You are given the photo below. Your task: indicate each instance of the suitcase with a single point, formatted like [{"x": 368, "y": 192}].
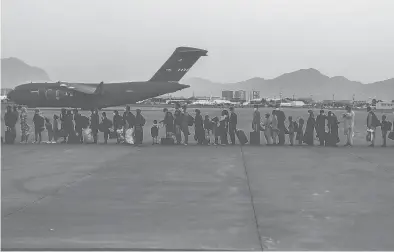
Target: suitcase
[
  {"x": 242, "y": 137},
  {"x": 167, "y": 141},
  {"x": 255, "y": 138}
]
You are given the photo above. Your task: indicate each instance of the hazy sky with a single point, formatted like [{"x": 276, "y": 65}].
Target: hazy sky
[{"x": 104, "y": 40}]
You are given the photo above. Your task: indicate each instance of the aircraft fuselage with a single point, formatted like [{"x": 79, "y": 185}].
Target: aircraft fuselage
[{"x": 113, "y": 94}]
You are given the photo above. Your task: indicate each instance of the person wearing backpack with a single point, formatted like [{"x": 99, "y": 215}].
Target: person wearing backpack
[
  {"x": 372, "y": 123},
  {"x": 386, "y": 127}
]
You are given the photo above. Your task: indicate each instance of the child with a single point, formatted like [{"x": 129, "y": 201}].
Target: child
[
  {"x": 300, "y": 131},
  {"x": 292, "y": 130},
  {"x": 39, "y": 125},
  {"x": 207, "y": 125},
  {"x": 154, "y": 131},
  {"x": 386, "y": 127},
  {"x": 55, "y": 128},
  {"x": 49, "y": 128}
]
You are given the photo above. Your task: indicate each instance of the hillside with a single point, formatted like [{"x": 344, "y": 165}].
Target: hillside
[
  {"x": 15, "y": 72},
  {"x": 301, "y": 83}
]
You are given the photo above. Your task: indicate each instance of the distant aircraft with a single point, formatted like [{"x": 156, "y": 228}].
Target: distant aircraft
[{"x": 90, "y": 96}]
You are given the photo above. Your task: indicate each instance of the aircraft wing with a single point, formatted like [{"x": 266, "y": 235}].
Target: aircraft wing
[{"x": 82, "y": 88}]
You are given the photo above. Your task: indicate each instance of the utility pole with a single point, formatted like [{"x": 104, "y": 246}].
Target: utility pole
[{"x": 293, "y": 97}]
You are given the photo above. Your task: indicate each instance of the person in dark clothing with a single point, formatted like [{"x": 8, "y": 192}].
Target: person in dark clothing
[
  {"x": 232, "y": 125},
  {"x": 385, "y": 127},
  {"x": 94, "y": 124},
  {"x": 55, "y": 127},
  {"x": 187, "y": 120},
  {"x": 39, "y": 126},
  {"x": 332, "y": 123},
  {"x": 300, "y": 131},
  {"x": 139, "y": 130},
  {"x": 70, "y": 127},
  {"x": 280, "y": 115},
  {"x": 223, "y": 127},
  {"x": 10, "y": 120},
  {"x": 106, "y": 124},
  {"x": 310, "y": 129},
  {"x": 168, "y": 122},
  {"x": 199, "y": 127},
  {"x": 118, "y": 124},
  {"x": 78, "y": 124},
  {"x": 321, "y": 127},
  {"x": 372, "y": 123},
  {"x": 128, "y": 118},
  {"x": 15, "y": 111}
]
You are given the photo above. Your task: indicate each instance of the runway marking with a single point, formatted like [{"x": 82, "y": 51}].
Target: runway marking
[{"x": 252, "y": 201}]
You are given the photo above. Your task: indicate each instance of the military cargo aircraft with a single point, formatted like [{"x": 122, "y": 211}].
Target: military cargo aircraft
[{"x": 90, "y": 96}]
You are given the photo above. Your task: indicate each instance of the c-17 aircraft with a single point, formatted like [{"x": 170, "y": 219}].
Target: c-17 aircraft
[{"x": 90, "y": 96}]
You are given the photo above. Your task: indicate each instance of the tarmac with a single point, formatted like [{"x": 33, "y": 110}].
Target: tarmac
[{"x": 65, "y": 197}]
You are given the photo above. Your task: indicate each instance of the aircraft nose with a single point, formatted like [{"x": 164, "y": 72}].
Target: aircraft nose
[{"x": 11, "y": 95}]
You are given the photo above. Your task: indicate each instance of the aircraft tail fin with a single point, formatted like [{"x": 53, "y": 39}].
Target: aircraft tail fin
[{"x": 178, "y": 64}]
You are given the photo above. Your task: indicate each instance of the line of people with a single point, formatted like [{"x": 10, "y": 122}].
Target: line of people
[
  {"x": 77, "y": 128},
  {"x": 325, "y": 126}
]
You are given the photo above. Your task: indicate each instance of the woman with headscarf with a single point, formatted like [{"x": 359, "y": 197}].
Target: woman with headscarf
[
  {"x": 332, "y": 123},
  {"x": 139, "y": 127},
  {"x": 199, "y": 127},
  {"x": 310, "y": 129},
  {"x": 25, "y": 128}
]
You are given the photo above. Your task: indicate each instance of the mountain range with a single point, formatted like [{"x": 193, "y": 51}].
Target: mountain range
[
  {"x": 14, "y": 72},
  {"x": 302, "y": 83}
]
